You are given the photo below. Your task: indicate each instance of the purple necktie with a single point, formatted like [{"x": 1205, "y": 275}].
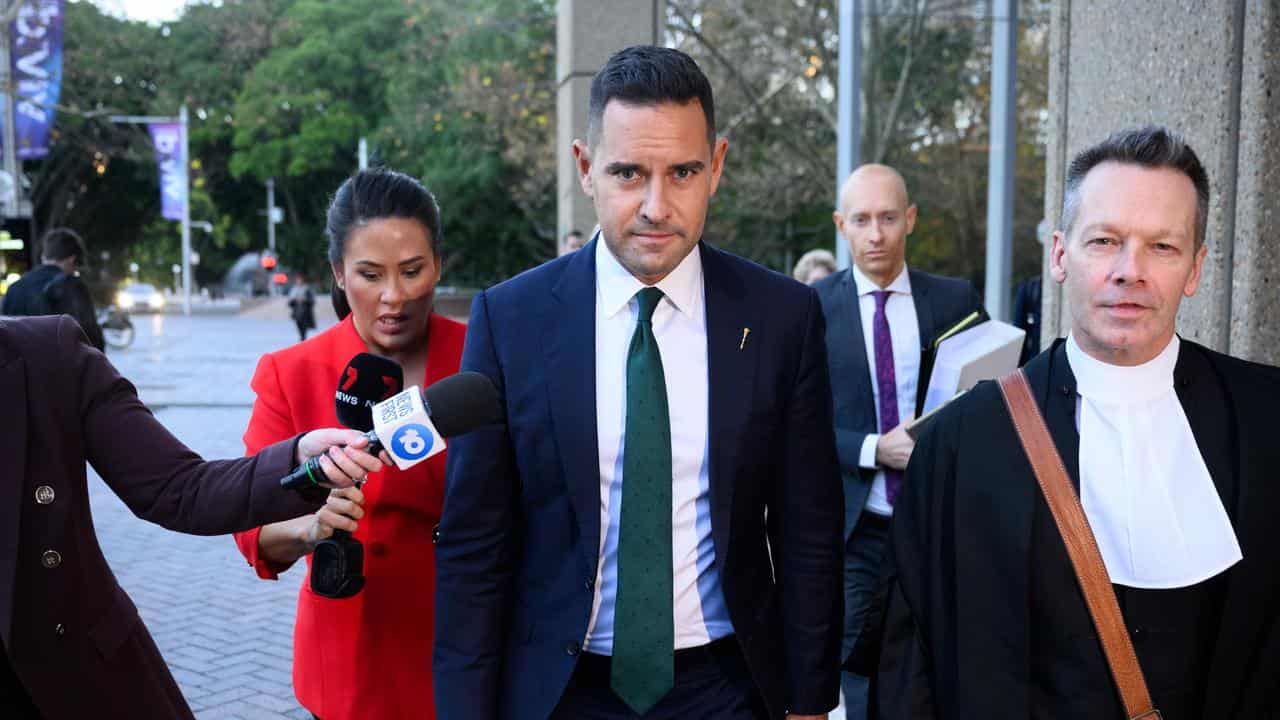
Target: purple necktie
[{"x": 887, "y": 384}]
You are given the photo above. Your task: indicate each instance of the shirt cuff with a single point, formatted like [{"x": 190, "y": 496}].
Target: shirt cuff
[{"x": 867, "y": 458}]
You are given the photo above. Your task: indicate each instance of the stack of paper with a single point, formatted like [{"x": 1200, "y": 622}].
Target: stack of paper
[{"x": 982, "y": 352}]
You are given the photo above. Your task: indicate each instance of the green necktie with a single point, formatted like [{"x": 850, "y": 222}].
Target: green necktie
[{"x": 643, "y": 628}]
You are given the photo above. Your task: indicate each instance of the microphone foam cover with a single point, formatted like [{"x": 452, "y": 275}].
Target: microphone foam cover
[
  {"x": 367, "y": 380},
  {"x": 461, "y": 403}
]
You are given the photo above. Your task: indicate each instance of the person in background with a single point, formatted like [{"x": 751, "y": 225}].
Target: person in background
[
  {"x": 55, "y": 287},
  {"x": 814, "y": 265},
  {"x": 573, "y": 240},
  {"x": 302, "y": 303},
  {"x": 73, "y": 644},
  {"x": 879, "y": 314},
  {"x": 363, "y": 657},
  {"x": 1026, "y": 303}
]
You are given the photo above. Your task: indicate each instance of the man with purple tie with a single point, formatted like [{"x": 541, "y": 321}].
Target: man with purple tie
[{"x": 874, "y": 377}]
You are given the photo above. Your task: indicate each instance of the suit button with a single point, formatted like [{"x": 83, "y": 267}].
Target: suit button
[
  {"x": 51, "y": 559},
  {"x": 44, "y": 495},
  {"x": 60, "y": 630},
  {"x": 591, "y": 585},
  {"x": 435, "y": 534},
  {"x": 572, "y": 648}
]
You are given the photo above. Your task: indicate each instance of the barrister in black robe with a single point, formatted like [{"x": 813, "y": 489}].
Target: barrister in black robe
[{"x": 985, "y": 618}]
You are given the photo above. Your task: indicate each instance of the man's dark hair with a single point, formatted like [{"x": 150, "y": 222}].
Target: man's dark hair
[
  {"x": 1151, "y": 147},
  {"x": 61, "y": 243},
  {"x": 573, "y": 233},
  {"x": 649, "y": 75}
]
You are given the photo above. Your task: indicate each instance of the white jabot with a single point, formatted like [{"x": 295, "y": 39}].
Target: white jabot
[{"x": 1146, "y": 491}]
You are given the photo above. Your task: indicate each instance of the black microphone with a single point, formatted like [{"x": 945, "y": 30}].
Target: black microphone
[
  {"x": 411, "y": 425},
  {"x": 366, "y": 380},
  {"x": 337, "y": 563}
]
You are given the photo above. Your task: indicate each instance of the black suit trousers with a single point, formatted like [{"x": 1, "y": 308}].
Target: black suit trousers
[{"x": 714, "y": 683}]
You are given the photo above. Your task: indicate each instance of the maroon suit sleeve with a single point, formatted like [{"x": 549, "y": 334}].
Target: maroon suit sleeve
[{"x": 159, "y": 478}]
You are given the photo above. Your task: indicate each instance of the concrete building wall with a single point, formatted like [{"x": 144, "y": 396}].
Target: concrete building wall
[
  {"x": 587, "y": 33},
  {"x": 1208, "y": 70}
]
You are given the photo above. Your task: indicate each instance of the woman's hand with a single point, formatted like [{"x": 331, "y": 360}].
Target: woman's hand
[
  {"x": 341, "y": 511},
  {"x": 342, "y": 453}
]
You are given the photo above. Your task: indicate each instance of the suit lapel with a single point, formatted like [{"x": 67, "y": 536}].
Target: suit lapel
[
  {"x": 731, "y": 364},
  {"x": 1058, "y": 403},
  {"x": 924, "y": 308},
  {"x": 13, "y": 448},
  {"x": 847, "y": 356},
  {"x": 571, "y": 370}
]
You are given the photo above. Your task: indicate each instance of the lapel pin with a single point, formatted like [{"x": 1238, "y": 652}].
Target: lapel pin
[{"x": 745, "y": 332}]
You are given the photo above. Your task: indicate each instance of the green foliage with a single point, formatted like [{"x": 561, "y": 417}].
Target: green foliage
[
  {"x": 459, "y": 94},
  {"x": 462, "y": 95}
]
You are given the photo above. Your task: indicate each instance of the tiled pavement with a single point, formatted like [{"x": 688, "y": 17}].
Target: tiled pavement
[{"x": 226, "y": 635}]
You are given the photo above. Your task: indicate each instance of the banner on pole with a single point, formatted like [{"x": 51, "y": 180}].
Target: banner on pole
[
  {"x": 36, "y": 54},
  {"x": 167, "y": 137}
]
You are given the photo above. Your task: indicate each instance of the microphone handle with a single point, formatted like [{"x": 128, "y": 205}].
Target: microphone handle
[{"x": 309, "y": 473}]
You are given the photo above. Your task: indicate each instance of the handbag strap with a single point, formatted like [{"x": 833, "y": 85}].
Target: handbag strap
[{"x": 1082, "y": 548}]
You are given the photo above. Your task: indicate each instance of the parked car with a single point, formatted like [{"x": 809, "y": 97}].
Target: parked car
[{"x": 140, "y": 297}]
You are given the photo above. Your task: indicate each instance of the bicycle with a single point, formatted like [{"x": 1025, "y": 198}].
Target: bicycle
[{"x": 117, "y": 328}]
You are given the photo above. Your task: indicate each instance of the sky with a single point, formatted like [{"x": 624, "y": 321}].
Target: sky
[{"x": 145, "y": 10}]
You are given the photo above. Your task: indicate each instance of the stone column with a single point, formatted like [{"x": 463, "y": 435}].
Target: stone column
[
  {"x": 1210, "y": 71},
  {"x": 587, "y": 33}
]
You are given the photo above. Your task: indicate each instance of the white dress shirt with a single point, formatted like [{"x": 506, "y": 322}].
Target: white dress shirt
[
  {"x": 1145, "y": 488},
  {"x": 679, "y": 326},
  {"x": 904, "y": 333}
]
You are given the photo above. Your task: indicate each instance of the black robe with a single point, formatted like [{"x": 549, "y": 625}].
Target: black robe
[{"x": 983, "y": 616}]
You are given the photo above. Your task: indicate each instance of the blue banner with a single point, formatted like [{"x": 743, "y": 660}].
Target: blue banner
[
  {"x": 167, "y": 138},
  {"x": 36, "y": 46}
]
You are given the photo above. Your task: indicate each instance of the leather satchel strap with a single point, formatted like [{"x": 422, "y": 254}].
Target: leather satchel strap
[{"x": 1082, "y": 548}]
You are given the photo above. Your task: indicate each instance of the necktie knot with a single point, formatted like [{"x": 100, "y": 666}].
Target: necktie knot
[
  {"x": 882, "y": 297},
  {"x": 648, "y": 299}
]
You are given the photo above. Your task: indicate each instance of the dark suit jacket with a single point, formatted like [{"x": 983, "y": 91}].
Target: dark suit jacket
[
  {"x": 973, "y": 558},
  {"x": 940, "y": 303},
  {"x": 520, "y": 535},
  {"x": 70, "y": 632}
]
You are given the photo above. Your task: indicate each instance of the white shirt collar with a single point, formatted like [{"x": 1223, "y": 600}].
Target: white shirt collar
[
  {"x": 1122, "y": 385},
  {"x": 866, "y": 286},
  {"x": 616, "y": 285}
]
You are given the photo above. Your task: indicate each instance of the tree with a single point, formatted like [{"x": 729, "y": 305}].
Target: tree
[
  {"x": 473, "y": 115},
  {"x": 926, "y": 69},
  {"x": 306, "y": 103}
]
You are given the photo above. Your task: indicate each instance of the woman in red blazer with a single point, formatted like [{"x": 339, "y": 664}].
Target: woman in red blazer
[{"x": 368, "y": 656}]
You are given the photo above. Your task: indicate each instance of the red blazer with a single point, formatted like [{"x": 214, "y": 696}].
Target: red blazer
[{"x": 368, "y": 656}]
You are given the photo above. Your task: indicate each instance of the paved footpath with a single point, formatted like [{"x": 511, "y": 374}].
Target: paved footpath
[{"x": 226, "y": 635}]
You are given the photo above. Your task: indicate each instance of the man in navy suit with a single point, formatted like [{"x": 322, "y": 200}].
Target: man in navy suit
[
  {"x": 879, "y": 314},
  {"x": 656, "y": 530}
]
